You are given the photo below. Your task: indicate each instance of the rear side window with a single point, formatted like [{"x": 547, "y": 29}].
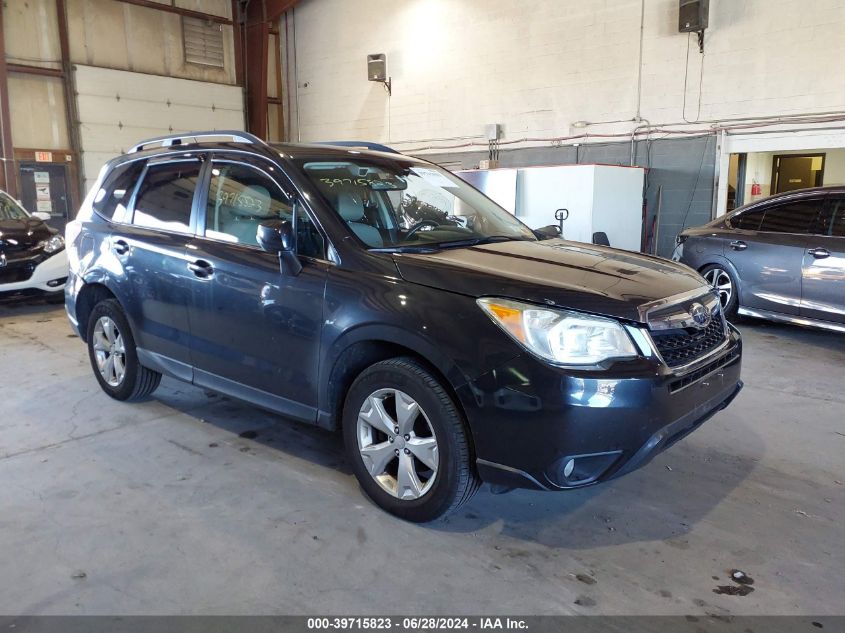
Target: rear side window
[
  {"x": 749, "y": 221},
  {"x": 165, "y": 197},
  {"x": 112, "y": 198},
  {"x": 798, "y": 216}
]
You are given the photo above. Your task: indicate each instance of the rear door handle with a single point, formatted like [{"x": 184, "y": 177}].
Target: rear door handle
[
  {"x": 201, "y": 268},
  {"x": 120, "y": 247},
  {"x": 819, "y": 253},
  {"x": 738, "y": 245}
]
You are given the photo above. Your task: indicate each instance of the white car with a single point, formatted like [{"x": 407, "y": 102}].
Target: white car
[{"x": 33, "y": 260}]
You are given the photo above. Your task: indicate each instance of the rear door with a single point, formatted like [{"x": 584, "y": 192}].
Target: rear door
[
  {"x": 823, "y": 294},
  {"x": 768, "y": 253},
  {"x": 150, "y": 252},
  {"x": 255, "y": 331}
]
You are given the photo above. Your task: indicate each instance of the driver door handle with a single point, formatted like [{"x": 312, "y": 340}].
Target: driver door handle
[
  {"x": 738, "y": 245},
  {"x": 819, "y": 253},
  {"x": 201, "y": 268}
]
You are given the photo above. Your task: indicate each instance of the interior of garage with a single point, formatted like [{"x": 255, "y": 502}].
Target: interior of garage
[{"x": 600, "y": 118}]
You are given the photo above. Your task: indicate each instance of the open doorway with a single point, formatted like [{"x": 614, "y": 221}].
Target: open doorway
[{"x": 797, "y": 171}]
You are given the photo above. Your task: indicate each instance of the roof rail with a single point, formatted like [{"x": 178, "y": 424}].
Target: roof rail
[
  {"x": 170, "y": 140},
  {"x": 377, "y": 147}
]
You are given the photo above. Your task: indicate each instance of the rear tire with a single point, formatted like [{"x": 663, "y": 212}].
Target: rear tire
[
  {"x": 407, "y": 442},
  {"x": 724, "y": 282},
  {"x": 114, "y": 359}
]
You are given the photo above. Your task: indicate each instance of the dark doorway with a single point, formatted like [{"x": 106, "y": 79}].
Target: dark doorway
[
  {"x": 797, "y": 171},
  {"x": 44, "y": 188}
]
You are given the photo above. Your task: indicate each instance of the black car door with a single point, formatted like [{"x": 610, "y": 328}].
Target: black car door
[
  {"x": 255, "y": 331},
  {"x": 823, "y": 295},
  {"x": 148, "y": 248}
]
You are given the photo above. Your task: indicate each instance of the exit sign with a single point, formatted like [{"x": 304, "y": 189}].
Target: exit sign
[{"x": 44, "y": 157}]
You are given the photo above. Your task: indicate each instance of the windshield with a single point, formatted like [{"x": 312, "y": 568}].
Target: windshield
[
  {"x": 11, "y": 210},
  {"x": 390, "y": 205}
]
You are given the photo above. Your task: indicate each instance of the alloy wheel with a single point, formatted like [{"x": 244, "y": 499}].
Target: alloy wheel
[
  {"x": 397, "y": 444},
  {"x": 721, "y": 282},
  {"x": 109, "y": 351}
]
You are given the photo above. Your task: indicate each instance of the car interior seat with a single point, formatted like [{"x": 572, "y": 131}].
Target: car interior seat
[
  {"x": 351, "y": 209},
  {"x": 251, "y": 206}
]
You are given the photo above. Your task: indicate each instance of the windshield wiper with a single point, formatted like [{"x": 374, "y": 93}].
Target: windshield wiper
[
  {"x": 490, "y": 239},
  {"x": 405, "y": 249}
]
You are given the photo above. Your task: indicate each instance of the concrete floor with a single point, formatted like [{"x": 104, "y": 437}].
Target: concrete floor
[{"x": 165, "y": 509}]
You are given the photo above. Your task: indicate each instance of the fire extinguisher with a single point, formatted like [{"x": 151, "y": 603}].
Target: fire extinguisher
[{"x": 755, "y": 189}]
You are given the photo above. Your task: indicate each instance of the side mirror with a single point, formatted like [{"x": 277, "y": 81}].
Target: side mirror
[
  {"x": 277, "y": 236},
  {"x": 41, "y": 215},
  {"x": 549, "y": 232}
]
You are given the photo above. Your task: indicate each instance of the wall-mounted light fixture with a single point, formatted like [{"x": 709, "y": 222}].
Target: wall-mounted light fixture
[{"x": 377, "y": 70}]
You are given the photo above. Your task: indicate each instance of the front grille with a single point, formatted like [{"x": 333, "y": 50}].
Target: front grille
[
  {"x": 698, "y": 374},
  {"x": 684, "y": 345},
  {"x": 13, "y": 274}
]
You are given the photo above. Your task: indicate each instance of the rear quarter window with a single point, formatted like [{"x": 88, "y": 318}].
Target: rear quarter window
[{"x": 112, "y": 198}]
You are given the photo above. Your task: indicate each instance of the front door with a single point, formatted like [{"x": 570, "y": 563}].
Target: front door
[
  {"x": 768, "y": 252},
  {"x": 255, "y": 330},
  {"x": 823, "y": 296},
  {"x": 44, "y": 187}
]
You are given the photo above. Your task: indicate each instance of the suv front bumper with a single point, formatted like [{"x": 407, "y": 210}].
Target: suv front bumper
[{"x": 542, "y": 427}]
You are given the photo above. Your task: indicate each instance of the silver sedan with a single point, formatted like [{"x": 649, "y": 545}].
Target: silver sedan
[{"x": 781, "y": 258}]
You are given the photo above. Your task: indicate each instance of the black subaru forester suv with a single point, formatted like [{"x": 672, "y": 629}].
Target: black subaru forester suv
[{"x": 377, "y": 293}]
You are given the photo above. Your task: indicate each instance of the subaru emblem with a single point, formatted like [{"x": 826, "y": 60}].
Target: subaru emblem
[{"x": 699, "y": 315}]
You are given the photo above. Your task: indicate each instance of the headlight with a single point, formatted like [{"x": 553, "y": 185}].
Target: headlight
[
  {"x": 55, "y": 243},
  {"x": 560, "y": 336}
]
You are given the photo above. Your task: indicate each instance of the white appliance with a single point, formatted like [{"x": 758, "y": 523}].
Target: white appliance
[{"x": 606, "y": 198}]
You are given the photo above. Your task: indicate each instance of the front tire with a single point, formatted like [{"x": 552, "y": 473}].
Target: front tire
[
  {"x": 114, "y": 359},
  {"x": 724, "y": 282},
  {"x": 406, "y": 441}
]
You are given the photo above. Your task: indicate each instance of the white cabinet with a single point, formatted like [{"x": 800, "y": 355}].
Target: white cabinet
[
  {"x": 599, "y": 198},
  {"x": 604, "y": 198}
]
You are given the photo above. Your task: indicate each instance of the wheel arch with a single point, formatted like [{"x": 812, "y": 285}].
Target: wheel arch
[
  {"x": 369, "y": 345},
  {"x": 719, "y": 260},
  {"x": 89, "y": 296}
]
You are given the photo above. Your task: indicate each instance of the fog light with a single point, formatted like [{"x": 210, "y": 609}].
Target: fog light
[
  {"x": 577, "y": 470},
  {"x": 56, "y": 282}
]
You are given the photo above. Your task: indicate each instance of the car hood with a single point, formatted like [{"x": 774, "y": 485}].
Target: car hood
[
  {"x": 574, "y": 275},
  {"x": 20, "y": 234}
]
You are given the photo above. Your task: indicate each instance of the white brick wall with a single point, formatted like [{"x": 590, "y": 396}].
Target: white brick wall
[{"x": 538, "y": 65}]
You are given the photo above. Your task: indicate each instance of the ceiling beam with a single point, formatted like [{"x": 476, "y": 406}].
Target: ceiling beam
[
  {"x": 169, "y": 8},
  {"x": 26, "y": 69}
]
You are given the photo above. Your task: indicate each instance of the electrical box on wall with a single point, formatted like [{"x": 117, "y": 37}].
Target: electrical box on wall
[
  {"x": 693, "y": 15},
  {"x": 377, "y": 67},
  {"x": 493, "y": 131}
]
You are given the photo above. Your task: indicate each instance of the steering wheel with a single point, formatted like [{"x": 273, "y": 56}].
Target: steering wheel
[{"x": 418, "y": 226}]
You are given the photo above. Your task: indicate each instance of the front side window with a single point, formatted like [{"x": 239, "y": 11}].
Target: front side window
[
  {"x": 748, "y": 220},
  {"x": 835, "y": 221},
  {"x": 165, "y": 197},
  {"x": 402, "y": 204},
  {"x": 798, "y": 216},
  {"x": 239, "y": 199},
  {"x": 11, "y": 210}
]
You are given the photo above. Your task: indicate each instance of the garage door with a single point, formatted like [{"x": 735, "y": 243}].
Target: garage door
[{"x": 116, "y": 109}]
